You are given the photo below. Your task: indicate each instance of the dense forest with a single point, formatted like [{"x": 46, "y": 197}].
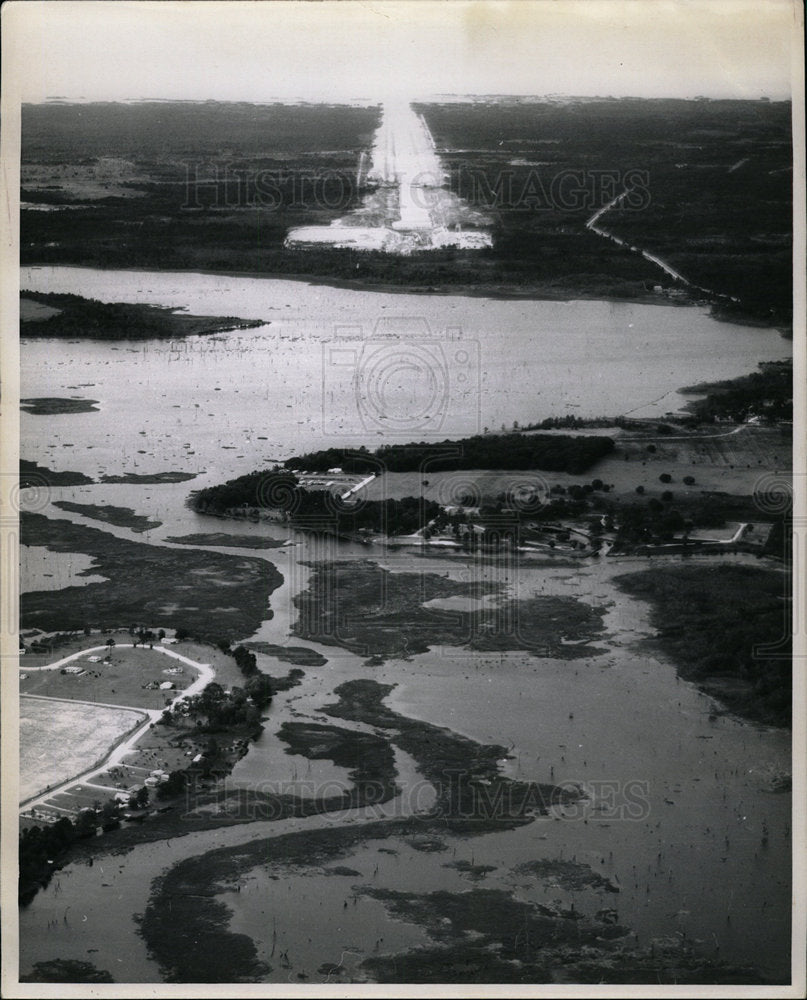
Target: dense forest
[
  {"x": 712, "y": 183},
  {"x": 218, "y": 186},
  {"x": 547, "y": 452},
  {"x": 215, "y": 708},
  {"x": 749, "y": 668},
  {"x": 767, "y": 394},
  {"x": 180, "y": 128},
  {"x": 317, "y": 510}
]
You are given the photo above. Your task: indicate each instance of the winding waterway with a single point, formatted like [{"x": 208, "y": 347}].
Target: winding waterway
[{"x": 690, "y": 861}]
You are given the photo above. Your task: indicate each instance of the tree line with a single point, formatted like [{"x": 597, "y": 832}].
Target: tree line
[
  {"x": 767, "y": 393},
  {"x": 214, "y": 708},
  {"x": 545, "y": 452},
  {"x": 318, "y": 510}
]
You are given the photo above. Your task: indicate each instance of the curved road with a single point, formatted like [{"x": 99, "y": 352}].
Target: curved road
[{"x": 127, "y": 744}]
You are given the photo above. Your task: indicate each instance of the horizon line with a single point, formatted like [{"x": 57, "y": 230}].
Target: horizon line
[{"x": 373, "y": 102}]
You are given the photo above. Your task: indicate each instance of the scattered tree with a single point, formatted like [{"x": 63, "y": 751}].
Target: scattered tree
[{"x": 139, "y": 799}]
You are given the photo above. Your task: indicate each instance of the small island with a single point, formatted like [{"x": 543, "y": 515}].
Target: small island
[
  {"x": 121, "y": 517},
  {"x": 73, "y": 316},
  {"x": 48, "y": 406}
]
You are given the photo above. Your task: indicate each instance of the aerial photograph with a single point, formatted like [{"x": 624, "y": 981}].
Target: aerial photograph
[{"x": 401, "y": 558}]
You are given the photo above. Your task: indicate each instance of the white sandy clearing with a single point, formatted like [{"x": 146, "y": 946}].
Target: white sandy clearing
[{"x": 59, "y": 739}]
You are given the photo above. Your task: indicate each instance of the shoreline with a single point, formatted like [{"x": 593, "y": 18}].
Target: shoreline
[
  {"x": 305, "y": 843},
  {"x": 172, "y": 818},
  {"x": 464, "y": 290}
]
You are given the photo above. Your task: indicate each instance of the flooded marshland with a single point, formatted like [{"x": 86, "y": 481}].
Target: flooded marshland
[{"x": 684, "y": 812}]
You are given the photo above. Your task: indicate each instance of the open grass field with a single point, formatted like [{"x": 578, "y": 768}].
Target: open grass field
[
  {"x": 227, "y": 673},
  {"x": 717, "y": 460},
  {"x": 123, "y": 681},
  {"x": 720, "y": 460},
  {"x": 65, "y": 645},
  {"x": 59, "y": 739}
]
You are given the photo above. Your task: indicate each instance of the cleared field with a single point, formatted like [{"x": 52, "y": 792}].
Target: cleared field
[
  {"x": 449, "y": 488},
  {"x": 726, "y": 447},
  {"x": 58, "y": 740},
  {"x": 124, "y": 680},
  {"x": 66, "y": 646},
  {"x": 227, "y": 673},
  {"x": 720, "y": 460}
]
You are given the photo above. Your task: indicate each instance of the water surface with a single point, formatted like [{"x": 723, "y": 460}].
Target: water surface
[{"x": 691, "y": 861}]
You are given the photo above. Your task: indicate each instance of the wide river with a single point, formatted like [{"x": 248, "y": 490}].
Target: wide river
[
  {"x": 345, "y": 367},
  {"x": 322, "y": 370}
]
